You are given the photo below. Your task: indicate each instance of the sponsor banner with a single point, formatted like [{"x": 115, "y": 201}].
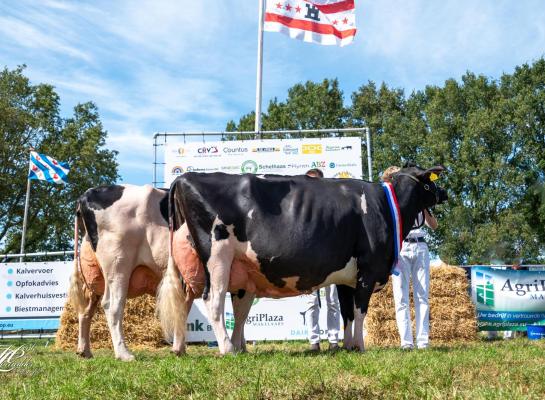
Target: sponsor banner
[
  {"x": 269, "y": 319},
  {"x": 508, "y": 299},
  {"x": 33, "y": 294},
  {"x": 336, "y": 157}
]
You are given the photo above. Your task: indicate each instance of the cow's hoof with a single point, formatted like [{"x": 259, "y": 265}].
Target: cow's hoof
[
  {"x": 125, "y": 357},
  {"x": 178, "y": 353},
  {"x": 85, "y": 354}
]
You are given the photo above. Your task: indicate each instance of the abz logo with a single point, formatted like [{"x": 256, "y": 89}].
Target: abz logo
[
  {"x": 178, "y": 170},
  {"x": 318, "y": 164},
  {"x": 312, "y": 149},
  {"x": 249, "y": 167},
  {"x": 343, "y": 174},
  {"x": 207, "y": 150},
  {"x": 289, "y": 149},
  {"x": 485, "y": 289}
]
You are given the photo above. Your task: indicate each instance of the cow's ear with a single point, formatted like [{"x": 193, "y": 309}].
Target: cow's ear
[{"x": 432, "y": 173}]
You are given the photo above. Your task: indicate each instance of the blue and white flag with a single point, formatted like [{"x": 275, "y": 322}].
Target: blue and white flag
[{"x": 48, "y": 169}]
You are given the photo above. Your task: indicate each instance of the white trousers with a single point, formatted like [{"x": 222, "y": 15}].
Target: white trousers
[
  {"x": 312, "y": 315},
  {"x": 414, "y": 262}
]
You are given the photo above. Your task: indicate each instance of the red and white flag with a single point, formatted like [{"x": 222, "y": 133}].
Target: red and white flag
[{"x": 326, "y": 22}]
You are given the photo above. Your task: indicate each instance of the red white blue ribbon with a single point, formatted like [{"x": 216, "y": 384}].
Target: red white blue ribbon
[{"x": 398, "y": 223}]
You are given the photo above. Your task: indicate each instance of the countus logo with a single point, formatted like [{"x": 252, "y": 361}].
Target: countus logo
[{"x": 485, "y": 289}]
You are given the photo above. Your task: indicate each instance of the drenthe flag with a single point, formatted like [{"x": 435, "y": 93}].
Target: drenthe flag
[
  {"x": 326, "y": 22},
  {"x": 48, "y": 169}
]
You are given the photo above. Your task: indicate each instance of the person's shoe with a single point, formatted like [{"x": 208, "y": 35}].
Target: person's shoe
[
  {"x": 315, "y": 347},
  {"x": 334, "y": 347},
  {"x": 407, "y": 347},
  {"x": 423, "y": 346}
]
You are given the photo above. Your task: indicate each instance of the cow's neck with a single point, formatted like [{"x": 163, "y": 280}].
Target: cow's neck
[{"x": 407, "y": 197}]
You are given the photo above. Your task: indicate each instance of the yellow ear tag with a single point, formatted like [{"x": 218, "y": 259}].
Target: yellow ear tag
[{"x": 433, "y": 176}]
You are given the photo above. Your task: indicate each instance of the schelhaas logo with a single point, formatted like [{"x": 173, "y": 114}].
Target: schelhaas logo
[
  {"x": 207, "y": 150},
  {"x": 265, "y": 319}
]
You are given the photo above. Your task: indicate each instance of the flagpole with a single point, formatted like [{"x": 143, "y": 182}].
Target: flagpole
[
  {"x": 259, "y": 82},
  {"x": 27, "y": 198}
]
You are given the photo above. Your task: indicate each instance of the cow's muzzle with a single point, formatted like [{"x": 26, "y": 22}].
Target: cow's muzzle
[{"x": 441, "y": 196}]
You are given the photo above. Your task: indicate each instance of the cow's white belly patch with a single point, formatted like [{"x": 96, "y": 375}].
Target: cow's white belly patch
[{"x": 345, "y": 276}]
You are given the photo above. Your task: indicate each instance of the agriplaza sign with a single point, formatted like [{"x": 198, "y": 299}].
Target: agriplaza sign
[
  {"x": 336, "y": 157},
  {"x": 269, "y": 319},
  {"x": 508, "y": 299}
]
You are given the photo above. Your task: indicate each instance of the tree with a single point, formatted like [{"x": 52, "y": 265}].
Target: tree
[
  {"x": 30, "y": 117},
  {"x": 308, "y": 106}
]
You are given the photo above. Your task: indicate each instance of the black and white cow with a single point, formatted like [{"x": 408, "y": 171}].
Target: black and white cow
[{"x": 279, "y": 236}]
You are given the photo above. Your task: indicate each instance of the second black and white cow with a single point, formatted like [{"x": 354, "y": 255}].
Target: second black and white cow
[{"x": 279, "y": 236}]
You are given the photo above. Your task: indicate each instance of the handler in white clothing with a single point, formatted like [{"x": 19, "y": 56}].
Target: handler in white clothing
[
  {"x": 312, "y": 313},
  {"x": 414, "y": 261}
]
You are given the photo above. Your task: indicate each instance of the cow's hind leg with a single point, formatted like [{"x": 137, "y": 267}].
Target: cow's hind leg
[
  {"x": 84, "y": 331},
  {"x": 242, "y": 302},
  {"x": 346, "y": 302},
  {"x": 219, "y": 264},
  {"x": 113, "y": 302},
  {"x": 178, "y": 344}
]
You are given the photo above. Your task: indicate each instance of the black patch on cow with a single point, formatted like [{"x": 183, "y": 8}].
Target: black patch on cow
[
  {"x": 241, "y": 293},
  {"x": 89, "y": 223},
  {"x": 102, "y": 197},
  {"x": 163, "y": 205},
  {"x": 220, "y": 232}
]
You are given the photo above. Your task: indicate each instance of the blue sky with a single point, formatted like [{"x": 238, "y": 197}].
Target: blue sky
[{"x": 167, "y": 65}]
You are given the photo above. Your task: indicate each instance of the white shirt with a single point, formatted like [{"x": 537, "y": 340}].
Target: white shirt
[{"x": 418, "y": 232}]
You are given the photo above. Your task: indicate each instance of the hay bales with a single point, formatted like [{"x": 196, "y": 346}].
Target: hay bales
[
  {"x": 452, "y": 317},
  {"x": 140, "y": 326},
  {"x": 452, "y": 313}
]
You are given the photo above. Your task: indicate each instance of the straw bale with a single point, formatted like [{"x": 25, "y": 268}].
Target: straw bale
[
  {"x": 140, "y": 326},
  {"x": 452, "y": 313}
]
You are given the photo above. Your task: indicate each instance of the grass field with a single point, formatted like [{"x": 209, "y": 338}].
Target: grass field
[{"x": 484, "y": 370}]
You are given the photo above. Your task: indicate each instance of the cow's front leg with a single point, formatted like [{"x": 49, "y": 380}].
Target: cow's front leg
[
  {"x": 362, "y": 294},
  {"x": 219, "y": 265},
  {"x": 241, "y": 309},
  {"x": 84, "y": 331},
  {"x": 346, "y": 302}
]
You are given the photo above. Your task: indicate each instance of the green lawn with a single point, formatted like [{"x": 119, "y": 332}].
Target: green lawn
[{"x": 484, "y": 370}]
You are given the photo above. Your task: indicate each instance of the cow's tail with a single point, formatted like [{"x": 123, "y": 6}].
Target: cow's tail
[
  {"x": 171, "y": 295},
  {"x": 76, "y": 293}
]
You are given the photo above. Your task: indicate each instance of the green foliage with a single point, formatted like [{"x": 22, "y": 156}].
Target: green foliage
[
  {"x": 489, "y": 134},
  {"x": 30, "y": 117},
  {"x": 308, "y": 106}
]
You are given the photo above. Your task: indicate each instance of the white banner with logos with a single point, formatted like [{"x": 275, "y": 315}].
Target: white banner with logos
[
  {"x": 269, "y": 319},
  {"x": 336, "y": 157},
  {"x": 33, "y": 294}
]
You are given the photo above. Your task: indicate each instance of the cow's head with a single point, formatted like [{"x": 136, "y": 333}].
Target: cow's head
[{"x": 430, "y": 192}]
